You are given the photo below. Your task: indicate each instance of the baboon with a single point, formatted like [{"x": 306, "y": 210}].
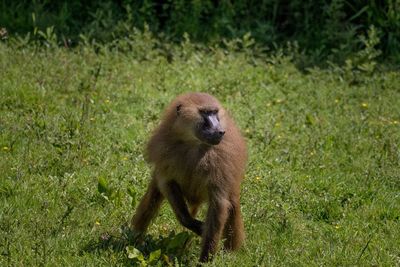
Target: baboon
[{"x": 198, "y": 155}]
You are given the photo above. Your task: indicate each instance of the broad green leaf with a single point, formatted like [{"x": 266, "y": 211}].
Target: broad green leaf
[
  {"x": 102, "y": 186},
  {"x": 134, "y": 253},
  {"x": 178, "y": 241},
  {"x": 154, "y": 255}
]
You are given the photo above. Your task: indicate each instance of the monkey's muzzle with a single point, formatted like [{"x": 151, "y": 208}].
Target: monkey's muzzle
[
  {"x": 215, "y": 137},
  {"x": 211, "y": 131}
]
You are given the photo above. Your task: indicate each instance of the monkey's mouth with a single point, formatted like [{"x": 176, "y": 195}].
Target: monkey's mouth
[
  {"x": 214, "y": 142},
  {"x": 212, "y": 138}
]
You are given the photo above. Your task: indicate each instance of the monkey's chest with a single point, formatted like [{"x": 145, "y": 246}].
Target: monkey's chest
[{"x": 193, "y": 173}]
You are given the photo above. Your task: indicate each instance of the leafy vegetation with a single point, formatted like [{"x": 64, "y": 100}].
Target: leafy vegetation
[
  {"x": 322, "y": 184},
  {"x": 324, "y": 29}
]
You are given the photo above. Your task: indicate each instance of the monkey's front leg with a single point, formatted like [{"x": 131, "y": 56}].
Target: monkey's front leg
[
  {"x": 175, "y": 197},
  {"x": 217, "y": 215}
]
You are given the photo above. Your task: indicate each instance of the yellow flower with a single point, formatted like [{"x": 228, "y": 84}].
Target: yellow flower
[
  {"x": 97, "y": 223},
  {"x": 125, "y": 158},
  {"x": 258, "y": 178},
  {"x": 92, "y": 119},
  {"x": 107, "y": 101},
  {"x": 6, "y": 148},
  {"x": 364, "y": 105},
  {"x": 336, "y": 100},
  {"x": 337, "y": 226}
]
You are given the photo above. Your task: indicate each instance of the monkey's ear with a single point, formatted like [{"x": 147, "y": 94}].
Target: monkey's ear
[{"x": 178, "y": 109}]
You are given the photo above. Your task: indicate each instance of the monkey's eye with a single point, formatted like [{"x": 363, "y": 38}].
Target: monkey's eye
[
  {"x": 206, "y": 123},
  {"x": 208, "y": 112},
  {"x": 178, "y": 108}
]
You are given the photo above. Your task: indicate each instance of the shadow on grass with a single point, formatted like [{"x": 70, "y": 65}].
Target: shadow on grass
[{"x": 172, "y": 247}]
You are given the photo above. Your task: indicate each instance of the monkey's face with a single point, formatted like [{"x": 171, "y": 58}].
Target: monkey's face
[
  {"x": 209, "y": 129},
  {"x": 204, "y": 124}
]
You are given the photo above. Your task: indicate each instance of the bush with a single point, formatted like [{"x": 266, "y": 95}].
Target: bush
[{"x": 322, "y": 27}]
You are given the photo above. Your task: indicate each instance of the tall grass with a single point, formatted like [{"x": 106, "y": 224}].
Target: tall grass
[{"x": 322, "y": 183}]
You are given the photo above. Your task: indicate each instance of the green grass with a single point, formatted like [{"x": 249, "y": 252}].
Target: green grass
[{"x": 321, "y": 188}]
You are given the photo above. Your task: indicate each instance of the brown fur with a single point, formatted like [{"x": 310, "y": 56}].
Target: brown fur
[{"x": 188, "y": 172}]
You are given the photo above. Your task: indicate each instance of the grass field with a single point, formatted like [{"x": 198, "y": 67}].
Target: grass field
[{"x": 322, "y": 186}]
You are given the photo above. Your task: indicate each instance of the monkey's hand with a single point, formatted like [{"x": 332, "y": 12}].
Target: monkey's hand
[{"x": 197, "y": 227}]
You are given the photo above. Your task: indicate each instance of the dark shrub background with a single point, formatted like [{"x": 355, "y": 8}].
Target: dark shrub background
[{"x": 319, "y": 26}]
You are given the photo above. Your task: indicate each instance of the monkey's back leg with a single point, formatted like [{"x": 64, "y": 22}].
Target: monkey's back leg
[
  {"x": 148, "y": 208},
  {"x": 217, "y": 215},
  {"x": 234, "y": 229}
]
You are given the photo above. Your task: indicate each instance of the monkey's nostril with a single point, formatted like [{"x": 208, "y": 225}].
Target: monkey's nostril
[{"x": 221, "y": 133}]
